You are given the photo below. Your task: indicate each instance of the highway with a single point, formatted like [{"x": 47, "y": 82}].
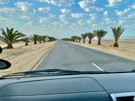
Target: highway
[{"x": 68, "y": 56}]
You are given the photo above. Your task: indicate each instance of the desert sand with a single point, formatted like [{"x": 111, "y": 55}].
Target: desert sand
[
  {"x": 126, "y": 48},
  {"x": 22, "y": 57}
]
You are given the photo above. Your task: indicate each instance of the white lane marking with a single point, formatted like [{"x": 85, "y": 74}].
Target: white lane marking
[{"x": 97, "y": 66}]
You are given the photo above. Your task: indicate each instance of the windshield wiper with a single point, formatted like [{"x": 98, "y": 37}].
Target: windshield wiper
[{"x": 49, "y": 72}]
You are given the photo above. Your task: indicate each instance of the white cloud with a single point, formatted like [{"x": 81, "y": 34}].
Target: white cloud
[
  {"x": 59, "y": 2},
  {"x": 77, "y": 15},
  {"x": 24, "y": 6},
  {"x": 34, "y": 10},
  {"x": 133, "y": 6},
  {"x": 66, "y": 22},
  {"x": 47, "y": 19},
  {"x": 131, "y": 15},
  {"x": 89, "y": 21},
  {"x": 55, "y": 23},
  {"x": 121, "y": 13},
  {"x": 94, "y": 25},
  {"x": 108, "y": 20},
  {"x": 87, "y": 6},
  {"x": 81, "y": 22},
  {"x": 4, "y": 1},
  {"x": 113, "y": 3},
  {"x": 44, "y": 19},
  {"x": 93, "y": 16},
  {"x": 63, "y": 18},
  {"x": 29, "y": 23},
  {"x": 65, "y": 10},
  {"x": 105, "y": 13},
  {"x": 24, "y": 17},
  {"x": 44, "y": 9},
  {"x": 9, "y": 11},
  {"x": 51, "y": 15},
  {"x": 121, "y": 21}
]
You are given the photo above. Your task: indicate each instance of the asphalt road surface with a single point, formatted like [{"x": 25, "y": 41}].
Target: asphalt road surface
[{"x": 68, "y": 56}]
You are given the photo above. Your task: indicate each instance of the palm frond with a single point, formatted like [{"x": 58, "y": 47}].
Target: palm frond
[{"x": 117, "y": 32}]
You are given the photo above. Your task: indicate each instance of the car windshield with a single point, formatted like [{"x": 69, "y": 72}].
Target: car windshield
[{"x": 67, "y": 36}]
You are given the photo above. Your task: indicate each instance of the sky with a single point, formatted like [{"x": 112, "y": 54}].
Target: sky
[{"x": 65, "y": 18}]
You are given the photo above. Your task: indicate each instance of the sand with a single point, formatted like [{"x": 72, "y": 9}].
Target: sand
[
  {"x": 126, "y": 48},
  {"x": 22, "y": 57}
]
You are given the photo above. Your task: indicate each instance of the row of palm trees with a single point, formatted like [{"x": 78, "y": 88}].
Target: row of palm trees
[
  {"x": 9, "y": 36},
  {"x": 117, "y": 32}
]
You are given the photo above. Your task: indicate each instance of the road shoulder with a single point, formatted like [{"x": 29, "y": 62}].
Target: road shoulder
[{"x": 121, "y": 52}]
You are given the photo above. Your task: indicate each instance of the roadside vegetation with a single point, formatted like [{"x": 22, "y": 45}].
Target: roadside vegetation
[
  {"x": 26, "y": 40},
  {"x": 84, "y": 37},
  {"x": 99, "y": 34},
  {"x": 90, "y": 36},
  {"x": 117, "y": 32},
  {"x": 11, "y": 36}
]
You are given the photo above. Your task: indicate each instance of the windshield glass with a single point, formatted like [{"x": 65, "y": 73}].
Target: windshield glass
[{"x": 75, "y": 35}]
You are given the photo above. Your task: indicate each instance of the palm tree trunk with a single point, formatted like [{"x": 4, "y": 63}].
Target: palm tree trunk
[
  {"x": 79, "y": 41},
  {"x": 83, "y": 40},
  {"x": 9, "y": 46},
  {"x": 89, "y": 41},
  {"x": 26, "y": 44},
  {"x": 115, "y": 44},
  {"x": 35, "y": 42},
  {"x": 99, "y": 42}
]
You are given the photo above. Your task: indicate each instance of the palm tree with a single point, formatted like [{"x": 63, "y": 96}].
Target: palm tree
[
  {"x": 73, "y": 38},
  {"x": 117, "y": 32},
  {"x": 76, "y": 38},
  {"x": 79, "y": 38},
  {"x": 100, "y": 34},
  {"x": 84, "y": 37},
  {"x": 10, "y": 36},
  {"x": 90, "y": 36},
  {"x": 40, "y": 39},
  {"x": 26, "y": 40},
  {"x": 34, "y": 37},
  {"x": 43, "y": 39}
]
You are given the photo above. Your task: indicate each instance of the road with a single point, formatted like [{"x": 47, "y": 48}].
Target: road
[{"x": 68, "y": 56}]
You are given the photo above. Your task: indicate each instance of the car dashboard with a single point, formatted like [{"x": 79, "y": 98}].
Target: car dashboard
[{"x": 91, "y": 87}]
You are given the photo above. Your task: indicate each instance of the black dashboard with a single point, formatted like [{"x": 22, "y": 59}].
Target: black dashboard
[{"x": 92, "y": 87}]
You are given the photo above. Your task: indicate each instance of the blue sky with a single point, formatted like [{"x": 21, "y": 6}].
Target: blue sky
[{"x": 64, "y": 18}]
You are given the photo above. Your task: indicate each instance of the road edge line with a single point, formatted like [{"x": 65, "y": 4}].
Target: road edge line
[{"x": 43, "y": 57}]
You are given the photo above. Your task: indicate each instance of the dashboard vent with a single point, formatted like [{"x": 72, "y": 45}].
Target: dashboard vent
[{"x": 123, "y": 96}]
